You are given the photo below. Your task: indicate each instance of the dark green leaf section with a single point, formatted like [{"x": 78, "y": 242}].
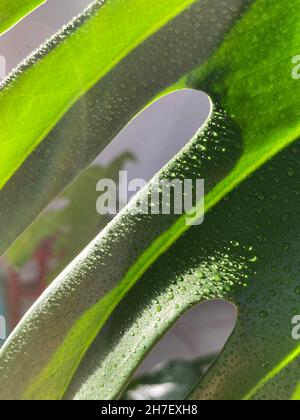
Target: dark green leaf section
[
  {"x": 12, "y": 11},
  {"x": 246, "y": 251}
]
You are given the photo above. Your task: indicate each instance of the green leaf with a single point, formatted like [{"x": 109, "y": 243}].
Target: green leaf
[
  {"x": 261, "y": 360},
  {"x": 259, "y": 145},
  {"x": 12, "y": 11},
  {"x": 246, "y": 251},
  {"x": 183, "y": 265},
  {"x": 168, "y": 381},
  {"x": 63, "y": 70}
]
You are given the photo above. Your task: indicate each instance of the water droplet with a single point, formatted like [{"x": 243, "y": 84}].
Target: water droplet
[
  {"x": 297, "y": 290},
  {"x": 263, "y": 314}
]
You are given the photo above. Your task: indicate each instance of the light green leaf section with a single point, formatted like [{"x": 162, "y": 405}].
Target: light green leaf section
[
  {"x": 285, "y": 364},
  {"x": 253, "y": 118},
  {"x": 88, "y": 49},
  {"x": 12, "y": 11},
  {"x": 296, "y": 396}
]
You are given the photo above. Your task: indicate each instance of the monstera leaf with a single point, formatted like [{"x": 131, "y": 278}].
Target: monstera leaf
[{"x": 144, "y": 271}]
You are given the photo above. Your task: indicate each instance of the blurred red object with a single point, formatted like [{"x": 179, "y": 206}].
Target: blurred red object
[{"x": 25, "y": 286}]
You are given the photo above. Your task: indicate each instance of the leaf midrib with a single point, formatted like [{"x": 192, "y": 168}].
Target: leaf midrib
[{"x": 288, "y": 360}]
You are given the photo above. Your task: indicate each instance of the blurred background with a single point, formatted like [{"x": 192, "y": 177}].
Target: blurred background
[{"x": 141, "y": 149}]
